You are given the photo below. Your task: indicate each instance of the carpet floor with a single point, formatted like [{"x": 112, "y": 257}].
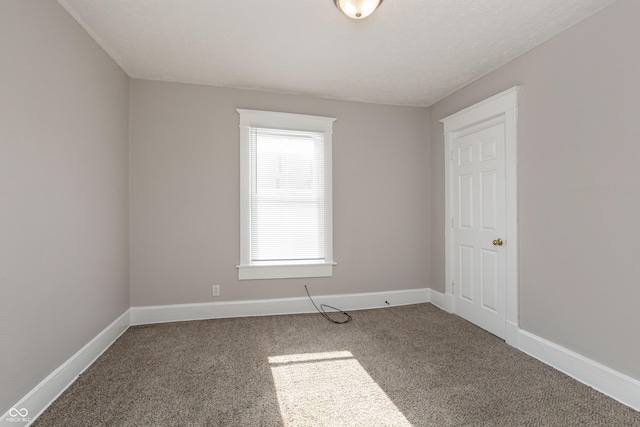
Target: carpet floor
[{"x": 401, "y": 366}]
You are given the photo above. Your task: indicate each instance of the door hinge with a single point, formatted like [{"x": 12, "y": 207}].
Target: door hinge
[{"x": 451, "y": 155}]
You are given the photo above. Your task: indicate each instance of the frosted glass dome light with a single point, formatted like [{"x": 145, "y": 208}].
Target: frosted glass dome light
[{"x": 357, "y": 9}]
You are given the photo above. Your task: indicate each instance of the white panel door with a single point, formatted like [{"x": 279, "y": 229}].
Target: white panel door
[{"x": 478, "y": 209}]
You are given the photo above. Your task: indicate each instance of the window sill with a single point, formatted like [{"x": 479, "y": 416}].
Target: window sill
[{"x": 253, "y": 272}]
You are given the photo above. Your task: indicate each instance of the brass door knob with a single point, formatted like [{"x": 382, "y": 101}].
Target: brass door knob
[{"x": 497, "y": 242}]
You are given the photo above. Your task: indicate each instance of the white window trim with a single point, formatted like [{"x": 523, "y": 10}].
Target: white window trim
[{"x": 289, "y": 121}]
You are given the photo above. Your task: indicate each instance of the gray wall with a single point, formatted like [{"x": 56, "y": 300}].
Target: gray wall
[
  {"x": 579, "y": 185},
  {"x": 185, "y": 195},
  {"x": 64, "y": 271}
]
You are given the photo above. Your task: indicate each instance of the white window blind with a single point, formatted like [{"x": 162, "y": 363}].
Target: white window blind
[{"x": 287, "y": 197}]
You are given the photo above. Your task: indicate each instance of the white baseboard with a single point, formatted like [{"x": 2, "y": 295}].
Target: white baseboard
[
  {"x": 270, "y": 307},
  {"x": 443, "y": 301},
  {"x": 42, "y": 395},
  {"x": 612, "y": 383},
  {"x": 512, "y": 334}
]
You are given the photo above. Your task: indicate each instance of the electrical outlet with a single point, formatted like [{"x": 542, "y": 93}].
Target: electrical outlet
[{"x": 215, "y": 291}]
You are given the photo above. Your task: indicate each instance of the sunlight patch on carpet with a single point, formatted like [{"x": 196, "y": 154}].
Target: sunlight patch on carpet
[{"x": 330, "y": 389}]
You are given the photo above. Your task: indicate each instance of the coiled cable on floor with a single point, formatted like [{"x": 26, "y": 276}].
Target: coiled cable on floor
[{"x": 324, "y": 313}]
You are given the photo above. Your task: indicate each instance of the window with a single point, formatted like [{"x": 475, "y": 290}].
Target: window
[{"x": 285, "y": 195}]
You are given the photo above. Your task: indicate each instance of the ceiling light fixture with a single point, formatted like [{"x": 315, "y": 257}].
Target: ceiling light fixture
[{"x": 357, "y": 9}]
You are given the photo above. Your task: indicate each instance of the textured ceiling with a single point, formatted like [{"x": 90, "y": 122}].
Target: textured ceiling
[{"x": 409, "y": 52}]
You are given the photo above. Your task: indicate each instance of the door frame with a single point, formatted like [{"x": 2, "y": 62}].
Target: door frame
[{"x": 503, "y": 107}]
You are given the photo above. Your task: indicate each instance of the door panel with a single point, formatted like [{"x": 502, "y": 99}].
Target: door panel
[
  {"x": 489, "y": 275},
  {"x": 489, "y": 201},
  {"x": 466, "y": 201},
  {"x": 466, "y": 272}
]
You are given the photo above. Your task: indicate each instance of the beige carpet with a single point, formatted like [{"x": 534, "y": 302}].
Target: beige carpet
[{"x": 402, "y": 366}]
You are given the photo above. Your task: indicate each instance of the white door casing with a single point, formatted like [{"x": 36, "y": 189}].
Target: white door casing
[{"x": 481, "y": 206}]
